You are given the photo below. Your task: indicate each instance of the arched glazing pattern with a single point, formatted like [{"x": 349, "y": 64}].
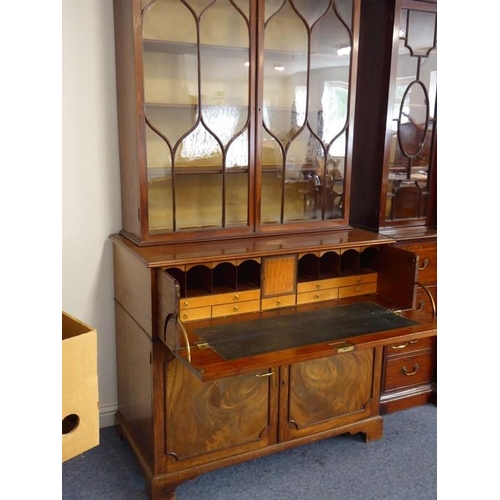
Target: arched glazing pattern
[
  {"x": 196, "y": 100},
  {"x": 414, "y": 117},
  {"x": 306, "y": 76}
]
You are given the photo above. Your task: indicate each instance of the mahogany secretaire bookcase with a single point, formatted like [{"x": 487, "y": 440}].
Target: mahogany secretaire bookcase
[{"x": 256, "y": 308}]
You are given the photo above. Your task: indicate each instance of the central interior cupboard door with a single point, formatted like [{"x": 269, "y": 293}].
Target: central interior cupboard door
[
  {"x": 304, "y": 129},
  {"x": 197, "y": 100}
]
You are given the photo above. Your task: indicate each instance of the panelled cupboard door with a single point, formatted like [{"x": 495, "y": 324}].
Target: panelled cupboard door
[
  {"x": 325, "y": 393},
  {"x": 221, "y": 138},
  {"x": 206, "y": 421}
]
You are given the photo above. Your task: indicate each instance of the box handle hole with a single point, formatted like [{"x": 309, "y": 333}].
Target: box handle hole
[{"x": 70, "y": 423}]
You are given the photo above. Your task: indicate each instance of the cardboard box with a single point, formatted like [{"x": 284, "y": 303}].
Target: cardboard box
[{"x": 80, "y": 393}]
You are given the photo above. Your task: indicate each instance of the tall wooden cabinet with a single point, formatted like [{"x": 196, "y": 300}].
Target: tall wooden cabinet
[
  {"x": 394, "y": 174},
  {"x": 252, "y": 315}
]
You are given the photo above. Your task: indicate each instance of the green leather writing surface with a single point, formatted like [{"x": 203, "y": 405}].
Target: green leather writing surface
[{"x": 263, "y": 335}]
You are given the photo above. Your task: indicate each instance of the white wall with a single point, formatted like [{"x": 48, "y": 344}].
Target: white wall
[{"x": 90, "y": 179}]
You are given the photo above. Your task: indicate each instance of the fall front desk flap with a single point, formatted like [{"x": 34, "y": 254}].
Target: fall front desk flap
[{"x": 264, "y": 335}]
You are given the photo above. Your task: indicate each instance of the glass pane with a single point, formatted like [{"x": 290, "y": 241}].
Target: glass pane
[
  {"x": 272, "y": 185},
  {"x": 197, "y": 105},
  {"x": 272, "y": 6},
  {"x": 157, "y": 22},
  {"x": 311, "y": 11},
  {"x": 285, "y": 74},
  {"x": 236, "y": 199},
  {"x": 334, "y": 183},
  {"x": 159, "y": 183},
  {"x": 306, "y": 103},
  {"x": 303, "y": 190},
  {"x": 198, "y": 182},
  {"x": 421, "y": 31},
  {"x": 237, "y": 181},
  {"x": 413, "y": 117}
]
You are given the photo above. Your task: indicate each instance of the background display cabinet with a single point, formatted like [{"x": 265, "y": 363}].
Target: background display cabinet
[
  {"x": 235, "y": 116},
  {"x": 394, "y": 159},
  {"x": 394, "y": 171}
]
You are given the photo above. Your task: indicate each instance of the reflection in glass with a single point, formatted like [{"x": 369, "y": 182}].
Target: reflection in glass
[{"x": 305, "y": 109}]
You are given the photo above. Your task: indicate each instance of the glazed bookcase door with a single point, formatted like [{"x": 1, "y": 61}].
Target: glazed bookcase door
[
  {"x": 411, "y": 148},
  {"x": 306, "y": 79},
  {"x": 197, "y": 106}
]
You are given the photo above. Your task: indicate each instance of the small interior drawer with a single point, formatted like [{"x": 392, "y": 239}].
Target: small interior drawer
[
  {"x": 278, "y": 302},
  {"x": 352, "y": 291},
  {"x": 218, "y": 299},
  {"x": 317, "y": 296}
]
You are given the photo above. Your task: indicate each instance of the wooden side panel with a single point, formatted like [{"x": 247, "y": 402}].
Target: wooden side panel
[
  {"x": 133, "y": 286},
  {"x": 134, "y": 371},
  {"x": 372, "y": 124},
  {"x": 326, "y": 393},
  {"x": 397, "y": 274},
  {"x": 279, "y": 275},
  {"x": 126, "y": 85},
  {"x": 206, "y": 421}
]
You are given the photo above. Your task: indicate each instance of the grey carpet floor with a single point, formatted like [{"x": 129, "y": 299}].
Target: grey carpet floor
[{"x": 400, "y": 466}]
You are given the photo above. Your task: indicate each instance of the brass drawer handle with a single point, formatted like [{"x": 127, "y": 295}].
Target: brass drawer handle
[
  {"x": 402, "y": 346},
  {"x": 262, "y": 375},
  {"x": 236, "y": 297},
  {"x": 426, "y": 263},
  {"x": 235, "y": 308},
  {"x": 409, "y": 374},
  {"x": 278, "y": 302},
  {"x": 431, "y": 298}
]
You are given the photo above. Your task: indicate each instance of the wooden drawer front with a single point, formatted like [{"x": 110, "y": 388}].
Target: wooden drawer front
[
  {"x": 351, "y": 291},
  {"x": 318, "y": 296},
  {"x": 310, "y": 286},
  {"x": 197, "y": 313},
  {"x": 313, "y": 286},
  {"x": 409, "y": 370},
  {"x": 221, "y": 298},
  {"x": 239, "y": 308},
  {"x": 278, "y": 302},
  {"x": 427, "y": 253},
  {"x": 427, "y": 343},
  {"x": 356, "y": 279}
]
